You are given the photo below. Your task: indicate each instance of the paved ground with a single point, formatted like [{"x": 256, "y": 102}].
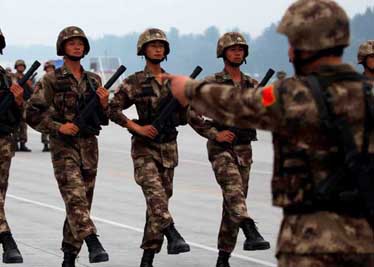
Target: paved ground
[{"x": 35, "y": 209}]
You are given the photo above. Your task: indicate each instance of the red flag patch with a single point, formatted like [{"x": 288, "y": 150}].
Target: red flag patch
[{"x": 268, "y": 96}]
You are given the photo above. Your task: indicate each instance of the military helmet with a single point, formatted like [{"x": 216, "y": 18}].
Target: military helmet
[
  {"x": 20, "y": 62},
  {"x": 49, "y": 63},
  {"x": 231, "y": 39},
  {"x": 366, "y": 49},
  {"x": 2, "y": 42},
  {"x": 69, "y": 33},
  {"x": 281, "y": 75},
  {"x": 151, "y": 35},
  {"x": 314, "y": 25}
]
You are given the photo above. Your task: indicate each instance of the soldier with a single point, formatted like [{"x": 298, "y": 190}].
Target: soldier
[
  {"x": 281, "y": 75},
  {"x": 9, "y": 121},
  {"x": 326, "y": 222},
  {"x": 365, "y": 57},
  {"x": 49, "y": 67},
  {"x": 154, "y": 154},
  {"x": 230, "y": 153},
  {"x": 74, "y": 151},
  {"x": 21, "y": 134}
]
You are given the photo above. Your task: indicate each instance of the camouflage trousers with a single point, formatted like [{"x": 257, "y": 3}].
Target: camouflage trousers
[
  {"x": 6, "y": 154},
  {"x": 21, "y": 132},
  {"x": 75, "y": 166},
  {"x": 45, "y": 139},
  {"x": 156, "y": 182},
  {"x": 233, "y": 179},
  {"x": 325, "y": 260}
]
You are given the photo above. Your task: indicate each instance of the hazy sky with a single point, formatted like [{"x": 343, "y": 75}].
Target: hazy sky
[{"x": 39, "y": 21}]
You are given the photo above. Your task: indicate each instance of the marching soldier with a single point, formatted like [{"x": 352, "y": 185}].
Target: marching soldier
[
  {"x": 230, "y": 153},
  {"x": 154, "y": 154},
  {"x": 365, "y": 57},
  {"x": 9, "y": 121},
  {"x": 21, "y": 134},
  {"x": 321, "y": 122},
  {"x": 51, "y": 110}
]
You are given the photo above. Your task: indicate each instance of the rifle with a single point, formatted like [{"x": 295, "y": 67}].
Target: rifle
[
  {"x": 243, "y": 133},
  {"x": 8, "y": 99},
  {"x": 167, "y": 111},
  {"x": 266, "y": 78},
  {"x": 89, "y": 112},
  {"x": 27, "y": 91}
]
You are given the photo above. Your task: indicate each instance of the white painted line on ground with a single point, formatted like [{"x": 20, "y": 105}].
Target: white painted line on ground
[{"x": 124, "y": 226}]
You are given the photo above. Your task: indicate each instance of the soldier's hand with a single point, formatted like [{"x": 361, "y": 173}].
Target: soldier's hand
[
  {"x": 69, "y": 129},
  {"x": 103, "y": 96},
  {"x": 225, "y": 136},
  {"x": 147, "y": 131},
  {"x": 17, "y": 91},
  {"x": 29, "y": 83},
  {"x": 178, "y": 84}
]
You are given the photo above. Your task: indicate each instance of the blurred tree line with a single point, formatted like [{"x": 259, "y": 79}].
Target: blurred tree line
[{"x": 189, "y": 50}]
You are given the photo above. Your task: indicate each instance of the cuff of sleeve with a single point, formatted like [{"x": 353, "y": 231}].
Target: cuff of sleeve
[
  {"x": 54, "y": 127},
  {"x": 212, "y": 134}
]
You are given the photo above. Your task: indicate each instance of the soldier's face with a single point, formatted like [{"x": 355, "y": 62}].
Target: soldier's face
[
  {"x": 155, "y": 50},
  {"x": 20, "y": 68},
  {"x": 74, "y": 47},
  {"x": 235, "y": 54},
  {"x": 370, "y": 62},
  {"x": 49, "y": 69}
]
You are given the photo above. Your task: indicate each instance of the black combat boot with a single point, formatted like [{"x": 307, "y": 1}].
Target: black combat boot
[
  {"x": 70, "y": 254},
  {"x": 95, "y": 249},
  {"x": 23, "y": 147},
  {"x": 254, "y": 240},
  {"x": 11, "y": 253},
  {"x": 46, "y": 148},
  {"x": 223, "y": 259},
  {"x": 176, "y": 243},
  {"x": 147, "y": 259}
]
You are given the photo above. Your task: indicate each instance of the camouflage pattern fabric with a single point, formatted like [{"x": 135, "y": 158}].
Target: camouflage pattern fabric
[
  {"x": 74, "y": 159},
  {"x": 44, "y": 139},
  {"x": 156, "y": 182},
  {"x": 21, "y": 132},
  {"x": 6, "y": 154},
  {"x": 69, "y": 33},
  {"x": 365, "y": 49},
  {"x": 75, "y": 168},
  {"x": 154, "y": 163},
  {"x": 151, "y": 35},
  {"x": 231, "y": 166},
  {"x": 325, "y": 260},
  {"x": 288, "y": 110},
  {"x": 231, "y": 39},
  {"x": 315, "y": 25}
]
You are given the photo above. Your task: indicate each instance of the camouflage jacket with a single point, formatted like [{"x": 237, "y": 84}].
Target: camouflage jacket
[
  {"x": 288, "y": 109},
  {"x": 57, "y": 100},
  {"x": 142, "y": 90},
  {"x": 10, "y": 120},
  {"x": 208, "y": 128}
]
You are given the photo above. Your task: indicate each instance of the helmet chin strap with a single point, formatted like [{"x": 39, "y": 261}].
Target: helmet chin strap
[
  {"x": 154, "y": 61},
  {"x": 74, "y": 58}
]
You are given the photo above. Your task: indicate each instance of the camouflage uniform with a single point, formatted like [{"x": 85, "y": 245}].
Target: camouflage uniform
[
  {"x": 231, "y": 165},
  {"x": 154, "y": 162},
  {"x": 304, "y": 155},
  {"x": 21, "y": 133},
  {"x": 75, "y": 158},
  {"x": 6, "y": 154},
  {"x": 366, "y": 49}
]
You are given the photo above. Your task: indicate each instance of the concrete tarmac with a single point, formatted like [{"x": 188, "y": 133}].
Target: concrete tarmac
[{"x": 35, "y": 210}]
